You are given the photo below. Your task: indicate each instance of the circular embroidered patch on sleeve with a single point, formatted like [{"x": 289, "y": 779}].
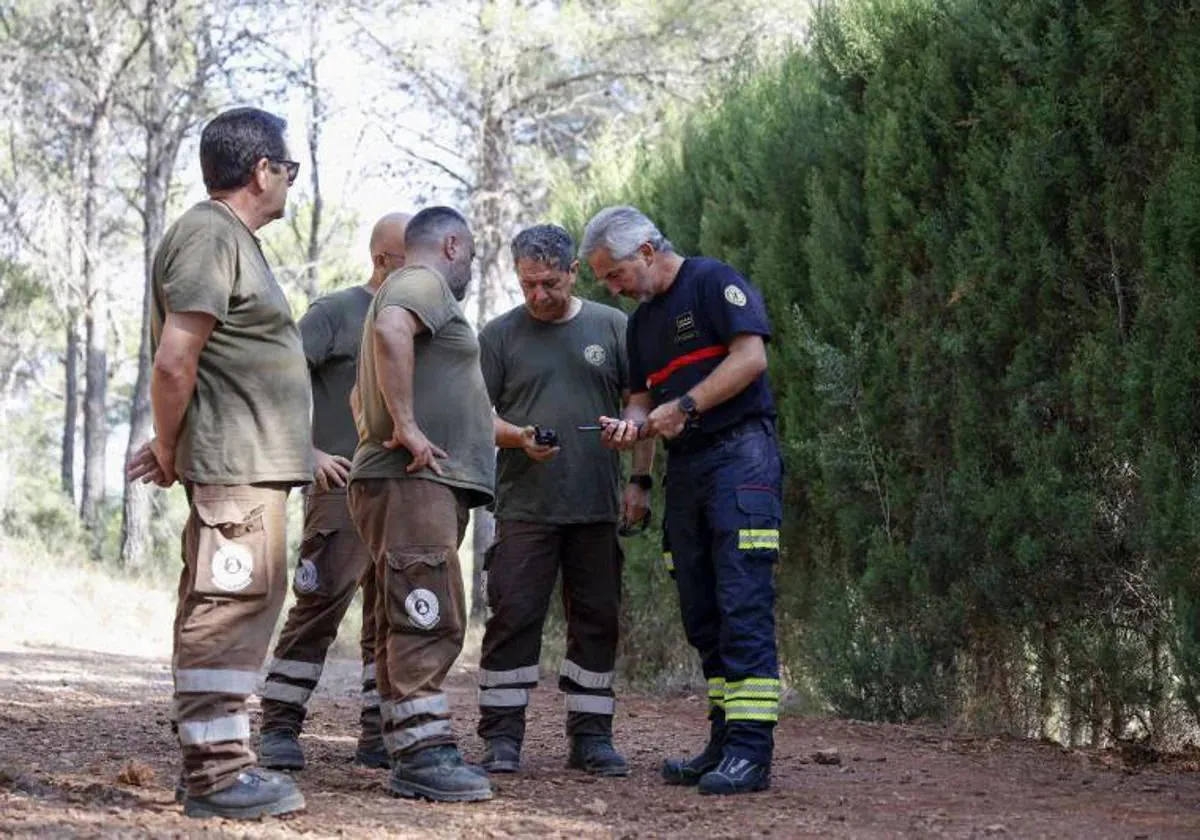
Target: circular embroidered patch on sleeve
[
  {"x": 595, "y": 354},
  {"x": 735, "y": 295}
]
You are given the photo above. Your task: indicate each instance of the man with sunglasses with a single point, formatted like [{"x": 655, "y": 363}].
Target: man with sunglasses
[
  {"x": 333, "y": 559},
  {"x": 557, "y": 361},
  {"x": 231, "y": 401}
]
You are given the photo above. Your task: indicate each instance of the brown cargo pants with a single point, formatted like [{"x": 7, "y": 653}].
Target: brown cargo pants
[
  {"x": 333, "y": 563},
  {"x": 231, "y": 588},
  {"x": 522, "y": 566},
  {"x": 412, "y": 528}
]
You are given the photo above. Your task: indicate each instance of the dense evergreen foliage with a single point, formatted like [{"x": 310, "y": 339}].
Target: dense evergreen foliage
[{"x": 977, "y": 227}]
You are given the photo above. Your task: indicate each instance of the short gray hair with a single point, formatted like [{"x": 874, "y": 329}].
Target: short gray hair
[
  {"x": 622, "y": 230},
  {"x": 546, "y": 244}
]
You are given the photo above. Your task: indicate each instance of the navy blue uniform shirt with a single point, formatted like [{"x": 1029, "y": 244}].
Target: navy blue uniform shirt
[{"x": 678, "y": 338}]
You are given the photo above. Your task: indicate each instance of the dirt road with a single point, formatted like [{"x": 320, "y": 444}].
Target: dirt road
[{"x": 86, "y": 751}]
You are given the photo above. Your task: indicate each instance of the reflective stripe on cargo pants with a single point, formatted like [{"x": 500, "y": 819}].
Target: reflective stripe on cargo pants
[
  {"x": 295, "y": 695},
  {"x": 294, "y": 669},
  {"x": 716, "y": 692},
  {"x": 401, "y": 739},
  {"x": 434, "y": 704},
  {"x": 215, "y": 681},
  {"x": 591, "y": 704},
  {"x": 214, "y": 731},
  {"x": 585, "y": 678},
  {"x": 506, "y": 697},
  {"x": 753, "y": 699},
  {"x": 516, "y": 676}
]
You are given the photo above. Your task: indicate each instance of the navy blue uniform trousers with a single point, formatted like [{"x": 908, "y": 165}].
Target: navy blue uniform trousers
[{"x": 723, "y": 509}]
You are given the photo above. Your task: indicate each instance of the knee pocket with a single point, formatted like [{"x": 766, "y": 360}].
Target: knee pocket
[
  {"x": 418, "y": 586},
  {"x": 231, "y": 547},
  {"x": 759, "y": 514}
]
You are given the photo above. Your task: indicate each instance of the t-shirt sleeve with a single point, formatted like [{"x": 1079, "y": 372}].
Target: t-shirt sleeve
[
  {"x": 423, "y": 294},
  {"x": 637, "y": 367},
  {"x": 732, "y": 305},
  {"x": 317, "y": 333},
  {"x": 620, "y": 323},
  {"x": 492, "y": 362},
  {"x": 201, "y": 272}
]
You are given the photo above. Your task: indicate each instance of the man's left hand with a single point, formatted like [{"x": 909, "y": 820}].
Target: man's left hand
[{"x": 667, "y": 420}]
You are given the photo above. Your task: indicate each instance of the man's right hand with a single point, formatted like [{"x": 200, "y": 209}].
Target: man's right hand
[
  {"x": 536, "y": 451},
  {"x": 330, "y": 470},
  {"x": 423, "y": 452},
  {"x": 620, "y": 434},
  {"x": 152, "y": 463}
]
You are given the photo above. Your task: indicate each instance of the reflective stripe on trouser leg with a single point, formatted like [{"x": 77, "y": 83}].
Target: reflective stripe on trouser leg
[
  {"x": 591, "y": 704},
  {"x": 716, "y": 693},
  {"x": 752, "y": 699}
]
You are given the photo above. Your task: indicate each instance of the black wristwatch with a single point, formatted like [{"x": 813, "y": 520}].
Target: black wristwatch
[
  {"x": 642, "y": 480},
  {"x": 688, "y": 406}
]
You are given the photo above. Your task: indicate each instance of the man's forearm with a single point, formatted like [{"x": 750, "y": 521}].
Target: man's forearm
[
  {"x": 171, "y": 391},
  {"x": 643, "y": 457},
  {"x": 394, "y": 361},
  {"x": 746, "y": 361},
  {"x": 508, "y": 435}
]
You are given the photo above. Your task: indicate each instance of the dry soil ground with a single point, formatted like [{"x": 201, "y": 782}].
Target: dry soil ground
[{"x": 86, "y": 751}]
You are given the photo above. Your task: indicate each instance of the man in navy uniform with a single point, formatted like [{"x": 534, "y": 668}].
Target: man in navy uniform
[{"x": 697, "y": 373}]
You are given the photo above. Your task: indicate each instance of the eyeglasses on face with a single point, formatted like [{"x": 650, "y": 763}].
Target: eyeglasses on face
[{"x": 291, "y": 167}]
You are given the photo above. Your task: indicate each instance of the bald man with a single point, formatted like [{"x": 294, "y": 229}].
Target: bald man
[{"x": 333, "y": 560}]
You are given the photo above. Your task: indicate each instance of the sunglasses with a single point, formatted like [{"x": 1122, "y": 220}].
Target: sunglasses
[{"x": 290, "y": 166}]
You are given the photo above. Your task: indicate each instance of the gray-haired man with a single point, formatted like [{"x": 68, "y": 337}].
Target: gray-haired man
[{"x": 557, "y": 362}]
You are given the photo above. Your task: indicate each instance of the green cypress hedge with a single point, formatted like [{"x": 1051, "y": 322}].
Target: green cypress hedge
[{"x": 977, "y": 229}]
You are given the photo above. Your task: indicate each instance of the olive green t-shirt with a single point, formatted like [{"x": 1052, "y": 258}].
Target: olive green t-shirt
[
  {"x": 450, "y": 402},
  {"x": 558, "y": 376},
  {"x": 332, "y": 332},
  {"x": 248, "y": 419}
]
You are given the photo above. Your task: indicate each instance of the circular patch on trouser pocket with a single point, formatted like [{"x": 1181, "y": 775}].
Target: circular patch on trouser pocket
[{"x": 422, "y": 608}]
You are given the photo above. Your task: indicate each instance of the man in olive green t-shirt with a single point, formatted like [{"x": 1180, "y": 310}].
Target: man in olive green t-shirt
[
  {"x": 333, "y": 558},
  {"x": 556, "y": 361},
  {"x": 424, "y": 459},
  {"x": 231, "y": 401}
]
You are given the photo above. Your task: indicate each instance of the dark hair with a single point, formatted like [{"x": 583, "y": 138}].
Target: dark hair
[
  {"x": 546, "y": 244},
  {"x": 234, "y": 142},
  {"x": 432, "y": 225}
]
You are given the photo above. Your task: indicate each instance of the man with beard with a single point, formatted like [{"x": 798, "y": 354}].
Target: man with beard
[{"x": 425, "y": 457}]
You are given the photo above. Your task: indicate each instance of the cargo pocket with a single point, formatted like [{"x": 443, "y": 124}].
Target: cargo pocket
[
  {"x": 759, "y": 513},
  {"x": 418, "y": 591},
  {"x": 313, "y": 569},
  {"x": 231, "y": 548}
]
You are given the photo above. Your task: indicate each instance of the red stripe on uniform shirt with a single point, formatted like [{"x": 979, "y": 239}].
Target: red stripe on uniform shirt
[{"x": 660, "y": 376}]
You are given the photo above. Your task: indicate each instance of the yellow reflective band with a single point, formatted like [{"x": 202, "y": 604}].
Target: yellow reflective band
[
  {"x": 668, "y": 561},
  {"x": 761, "y": 717},
  {"x": 752, "y": 539}
]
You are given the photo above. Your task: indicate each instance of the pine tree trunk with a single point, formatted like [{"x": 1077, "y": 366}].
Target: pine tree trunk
[
  {"x": 95, "y": 421},
  {"x": 71, "y": 405},
  {"x": 157, "y": 165}
]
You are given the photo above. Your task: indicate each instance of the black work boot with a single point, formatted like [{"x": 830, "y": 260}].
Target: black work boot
[
  {"x": 503, "y": 755},
  {"x": 438, "y": 774},
  {"x": 595, "y": 754},
  {"x": 736, "y": 775},
  {"x": 255, "y": 793},
  {"x": 279, "y": 749},
  {"x": 687, "y": 771},
  {"x": 372, "y": 754}
]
